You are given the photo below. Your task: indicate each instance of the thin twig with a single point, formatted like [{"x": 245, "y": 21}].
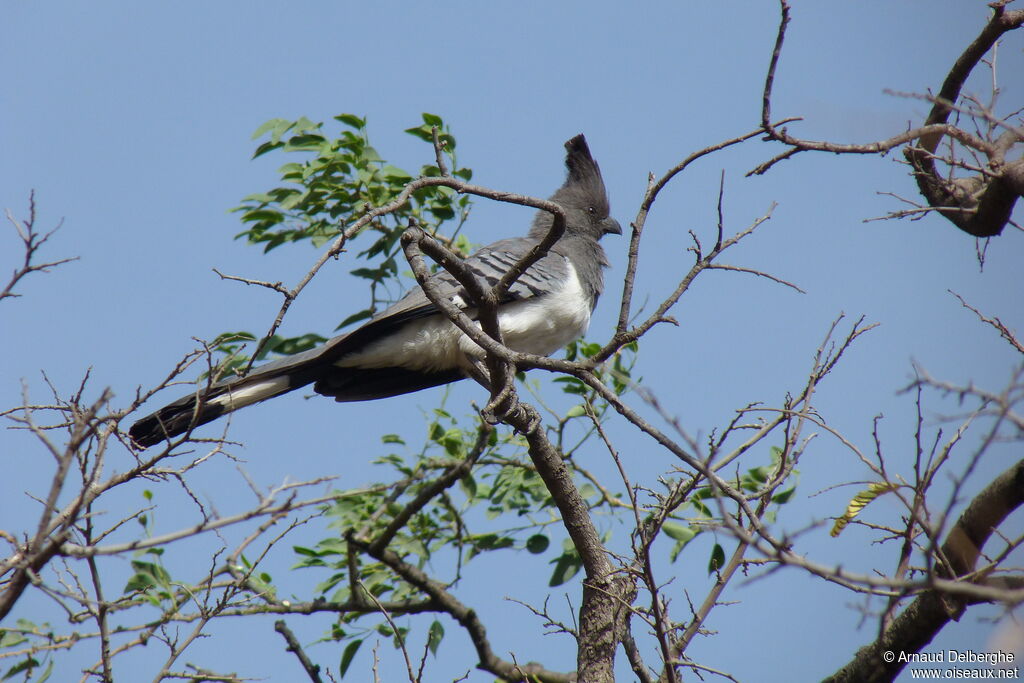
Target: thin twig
[{"x": 32, "y": 242}]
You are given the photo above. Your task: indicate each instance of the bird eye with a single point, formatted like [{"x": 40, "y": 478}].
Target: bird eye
[{"x": 591, "y": 210}]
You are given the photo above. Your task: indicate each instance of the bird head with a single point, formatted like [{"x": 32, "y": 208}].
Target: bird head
[{"x": 582, "y": 197}]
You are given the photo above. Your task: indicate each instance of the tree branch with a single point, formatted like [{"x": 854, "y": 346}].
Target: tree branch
[
  {"x": 312, "y": 670},
  {"x": 465, "y": 616},
  {"x": 32, "y": 242},
  {"x": 980, "y": 205}
]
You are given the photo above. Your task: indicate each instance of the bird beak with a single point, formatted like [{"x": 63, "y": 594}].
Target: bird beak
[{"x": 611, "y": 226}]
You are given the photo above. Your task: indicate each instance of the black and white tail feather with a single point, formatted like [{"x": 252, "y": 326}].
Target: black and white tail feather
[{"x": 412, "y": 345}]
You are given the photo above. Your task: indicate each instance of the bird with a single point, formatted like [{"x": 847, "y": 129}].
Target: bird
[{"x": 412, "y": 344}]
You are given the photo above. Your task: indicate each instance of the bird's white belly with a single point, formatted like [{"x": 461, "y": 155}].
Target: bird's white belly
[{"x": 540, "y": 325}]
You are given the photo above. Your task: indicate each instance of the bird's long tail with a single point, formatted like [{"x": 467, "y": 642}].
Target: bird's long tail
[
  {"x": 287, "y": 374},
  {"x": 226, "y": 396}
]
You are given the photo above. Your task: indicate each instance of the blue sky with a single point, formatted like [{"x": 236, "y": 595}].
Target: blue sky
[{"x": 132, "y": 122}]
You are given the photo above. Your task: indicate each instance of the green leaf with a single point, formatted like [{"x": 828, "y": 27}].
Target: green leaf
[
  {"x": 421, "y": 133},
  {"x": 351, "y": 120},
  {"x": 682, "y": 535},
  {"x": 292, "y": 200},
  {"x": 292, "y": 168},
  {"x": 147, "y": 575},
  {"x": 348, "y": 655},
  {"x": 703, "y": 509},
  {"x": 45, "y": 676},
  {"x": 571, "y": 385},
  {"x": 436, "y": 431},
  {"x": 537, "y": 543},
  {"x": 468, "y": 486},
  {"x": 443, "y": 213},
  {"x": 576, "y": 411},
  {"x": 139, "y": 582},
  {"x": 11, "y": 638},
  {"x": 783, "y": 497},
  {"x": 289, "y": 346},
  {"x": 305, "y": 141},
  {"x": 367, "y": 273},
  {"x": 491, "y": 541},
  {"x": 434, "y": 636},
  {"x": 263, "y": 215},
  {"x": 433, "y": 120},
  {"x": 266, "y": 147},
  {"x": 567, "y": 566},
  {"x": 304, "y": 124},
  {"x": 370, "y": 154},
  {"x": 679, "y": 532},
  {"x": 453, "y": 443},
  {"x": 354, "y": 318},
  {"x": 272, "y": 124},
  {"x": 717, "y": 559},
  {"x": 25, "y": 665},
  {"x": 395, "y": 174},
  {"x": 759, "y": 475},
  {"x": 399, "y": 640}
]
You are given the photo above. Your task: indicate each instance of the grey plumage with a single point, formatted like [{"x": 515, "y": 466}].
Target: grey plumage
[{"x": 411, "y": 345}]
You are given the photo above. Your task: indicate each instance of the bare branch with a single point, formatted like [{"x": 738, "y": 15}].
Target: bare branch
[
  {"x": 980, "y": 205},
  {"x": 276, "y": 286},
  {"x": 1004, "y": 332},
  {"x": 32, "y": 242},
  {"x": 654, "y": 188},
  {"x": 267, "y": 507}
]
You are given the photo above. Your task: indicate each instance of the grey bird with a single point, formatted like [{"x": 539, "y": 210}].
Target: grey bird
[{"x": 412, "y": 345}]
